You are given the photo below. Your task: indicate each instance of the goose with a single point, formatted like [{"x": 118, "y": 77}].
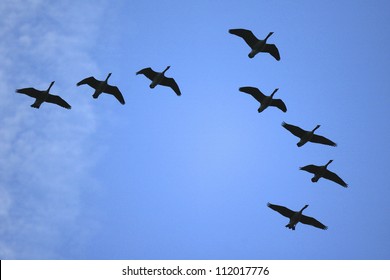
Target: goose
[
  {"x": 265, "y": 101},
  {"x": 307, "y": 136},
  {"x": 102, "y": 86},
  {"x": 255, "y": 44},
  {"x": 158, "y": 78},
  {"x": 43, "y": 96},
  {"x": 322, "y": 171},
  {"x": 296, "y": 217}
]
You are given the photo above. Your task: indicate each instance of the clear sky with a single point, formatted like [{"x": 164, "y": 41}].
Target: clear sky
[{"x": 189, "y": 177}]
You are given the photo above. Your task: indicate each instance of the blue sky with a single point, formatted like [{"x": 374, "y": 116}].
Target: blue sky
[{"x": 189, "y": 177}]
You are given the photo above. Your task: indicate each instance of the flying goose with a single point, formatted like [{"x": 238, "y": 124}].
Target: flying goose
[
  {"x": 264, "y": 100},
  {"x": 158, "y": 78},
  {"x": 296, "y": 217},
  {"x": 255, "y": 44},
  {"x": 307, "y": 136},
  {"x": 43, "y": 96},
  {"x": 322, "y": 171},
  {"x": 102, "y": 86}
]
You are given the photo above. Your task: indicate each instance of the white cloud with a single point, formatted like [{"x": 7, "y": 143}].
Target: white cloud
[{"x": 45, "y": 156}]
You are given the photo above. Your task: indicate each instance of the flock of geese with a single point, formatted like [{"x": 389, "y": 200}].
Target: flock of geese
[{"x": 158, "y": 78}]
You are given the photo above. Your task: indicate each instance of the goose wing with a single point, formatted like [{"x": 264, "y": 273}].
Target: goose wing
[
  {"x": 335, "y": 178},
  {"x": 255, "y": 92},
  {"x": 312, "y": 222},
  {"x": 272, "y": 50},
  {"x": 115, "y": 92},
  {"x": 55, "y": 99},
  {"x": 297, "y": 131},
  {"x": 91, "y": 81},
  {"x": 310, "y": 168},
  {"x": 245, "y": 34},
  {"x": 322, "y": 140},
  {"x": 279, "y": 104},
  {"x": 148, "y": 72},
  {"x": 282, "y": 210},
  {"x": 30, "y": 92},
  {"x": 170, "y": 82}
]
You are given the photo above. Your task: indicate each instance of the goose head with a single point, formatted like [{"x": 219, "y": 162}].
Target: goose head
[
  {"x": 304, "y": 207},
  {"x": 317, "y": 127},
  {"x": 51, "y": 84},
  {"x": 329, "y": 162},
  {"x": 269, "y": 35},
  {"x": 108, "y": 76},
  {"x": 166, "y": 69},
  {"x": 272, "y": 94}
]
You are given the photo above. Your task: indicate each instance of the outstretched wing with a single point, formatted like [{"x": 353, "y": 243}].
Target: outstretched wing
[
  {"x": 322, "y": 140},
  {"x": 335, "y": 178},
  {"x": 32, "y": 92},
  {"x": 245, "y": 34},
  {"x": 282, "y": 210},
  {"x": 55, "y": 99},
  {"x": 255, "y": 92},
  {"x": 297, "y": 131},
  {"x": 310, "y": 168},
  {"x": 272, "y": 50},
  {"x": 279, "y": 104},
  {"x": 148, "y": 72},
  {"x": 91, "y": 81},
  {"x": 116, "y": 92},
  {"x": 312, "y": 222},
  {"x": 170, "y": 82}
]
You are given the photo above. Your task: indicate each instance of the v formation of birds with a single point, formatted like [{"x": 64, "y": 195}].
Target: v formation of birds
[{"x": 158, "y": 78}]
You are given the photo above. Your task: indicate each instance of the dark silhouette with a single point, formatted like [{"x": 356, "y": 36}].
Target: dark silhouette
[
  {"x": 255, "y": 44},
  {"x": 102, "y": 86},
  {"x": 158, "y": 78},
  {"x": 296, "y": 217},
  {"x": 307, "y": 136},
  {"x": 264, "y": 100},
  {"x": 322, "y": 171},
  {"x": 43, "y": 96}
]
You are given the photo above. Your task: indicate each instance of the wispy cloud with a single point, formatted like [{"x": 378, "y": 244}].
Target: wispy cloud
[{"x": 45, "y": 156}]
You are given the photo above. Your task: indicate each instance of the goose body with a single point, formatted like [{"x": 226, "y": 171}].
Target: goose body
[
  {"x": 307, "y": 136},
  {"x": 43, "y": 96},
  {"x": 103, "y": 86},
  {"x": 322, "y": 171},
  {"x": 296, "y": 216},
  {"x": 158, "y": 78},
  {"x": 255, "y": 44},
  {"x": 265, "y": 101}
]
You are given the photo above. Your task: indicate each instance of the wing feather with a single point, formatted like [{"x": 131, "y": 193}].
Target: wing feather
[
  {"x": 297, "y": 131},
  {"x": 148, "y": 72},
  {"x": 335, "y": 178},
  {"x": 55, "y": 99},
  {"x": 312, "y": 222},
  {"x": 310, "y": 168},
  {"x": 245, "y": 34},
  {"x": 32, "y": 92},
  {"x": 170, "y": 82},
  {"x": 322, "y": 140},
  {"x": 279, "y": 104},
  {"x": 115, "y": 92},
  {"x": 255, "y": 92},
  {"x": 91, "y": 81},
  {"x": 272, "y": 50},
  {"x": 282, "y": 210}
]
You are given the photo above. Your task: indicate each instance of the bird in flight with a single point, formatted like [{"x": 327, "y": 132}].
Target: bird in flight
[
  {"x": 158, "y": 78},
  {"x": 296, "y": 217},
  {"x": 255, "y": 44},
  {"x": 103, "y": 86},
  {"x": 43, "y": 96}
]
